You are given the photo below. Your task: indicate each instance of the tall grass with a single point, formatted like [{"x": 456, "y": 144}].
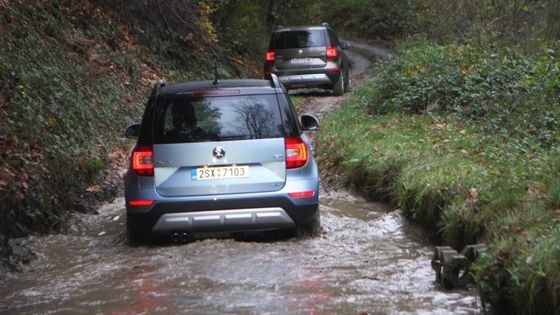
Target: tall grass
[{"x": 465, "y": 141}]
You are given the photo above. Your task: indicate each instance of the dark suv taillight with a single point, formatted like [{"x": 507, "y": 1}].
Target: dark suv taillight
[
  {"x": 143, "y": 161},
  {"x": 331, "y": 53},
  {"x": 296, "y": 152},
  {"x": 270, "y": 56}
]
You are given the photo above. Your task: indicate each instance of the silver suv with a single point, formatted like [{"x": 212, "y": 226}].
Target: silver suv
[
  {"x": 308, "y": 57},
  {"x": 227, "y": 156}
]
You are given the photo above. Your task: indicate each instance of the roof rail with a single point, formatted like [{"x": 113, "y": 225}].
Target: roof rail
[
  {"x": 161, "y": 83},
  {"x": 275, "y": 81}
]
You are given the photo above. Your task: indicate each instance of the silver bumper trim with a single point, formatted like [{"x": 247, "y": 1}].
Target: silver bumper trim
[
  {"x": 225, "y": 220},
  {"x": 302, "y": 79}
]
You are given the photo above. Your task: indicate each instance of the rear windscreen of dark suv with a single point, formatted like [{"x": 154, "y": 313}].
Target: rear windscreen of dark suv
[
  {"x": 219, "y": 118},
  {"x": 297, "y": 39}
]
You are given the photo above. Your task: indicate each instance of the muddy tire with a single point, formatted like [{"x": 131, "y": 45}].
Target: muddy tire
[
  {"x": 348, "y": 83},
  {"x": 311, "y": 228},
  {"x": 338, "y": 87}
]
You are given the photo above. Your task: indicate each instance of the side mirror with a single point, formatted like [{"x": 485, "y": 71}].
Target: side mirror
[
  {"x": 132, "y": 131},
  {"x": 345, "y": 45},
  {"x": 309, "y": 122}
]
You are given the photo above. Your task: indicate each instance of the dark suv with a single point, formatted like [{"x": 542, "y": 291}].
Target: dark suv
[
  {"x": 308, "y": 57},
  {"x": 227, "y": 156}
]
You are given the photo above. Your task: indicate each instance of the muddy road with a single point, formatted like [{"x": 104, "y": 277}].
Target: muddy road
[{"x": 368, "y": 259}]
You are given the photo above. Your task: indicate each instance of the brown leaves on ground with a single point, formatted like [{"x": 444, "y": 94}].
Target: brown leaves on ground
[
  {"x": 438, "y": 125},
  {"x": 3, "y": 100},
  {"x": 557, "y": 215},
  {"x": 473, "y": 194},
  {"x": 95, "y": 188}
]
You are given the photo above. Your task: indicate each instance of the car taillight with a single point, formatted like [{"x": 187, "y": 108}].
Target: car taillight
[
  {"x": 302, "y": 194},
  {"x": 141, "y": 203},
  {"x": 296, "y": 152},
  {"x": 270, "y": 56},
  {"x": 220, "y": 92},
  {"x": 143, "y": 161},
  {"x": 331, "y": 53}
]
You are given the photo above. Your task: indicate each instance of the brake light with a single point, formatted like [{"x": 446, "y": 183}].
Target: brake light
[
  {"x": 302, "y": 194},
  {"x": 270, "y": 56},
  {"x": 217, "y": 92},
  {"x": 296, "y": 152},
  {"x": 140, "y": 203},
  {"x": 143, "y": 161},
  {"x": 331, "y": 53}
]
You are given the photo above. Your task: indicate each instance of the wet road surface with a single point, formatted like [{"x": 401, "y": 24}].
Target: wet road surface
[{"x": 368, "y": 259}]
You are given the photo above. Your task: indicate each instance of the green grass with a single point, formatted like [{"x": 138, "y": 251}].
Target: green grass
[
  {"x": 468, "y": 177},
  {"x": 296, "y": 100}
]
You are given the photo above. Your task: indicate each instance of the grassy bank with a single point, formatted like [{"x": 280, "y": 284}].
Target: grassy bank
[
  {"x": 466, "y": 142},
  {"x": 72, "y": 77}
]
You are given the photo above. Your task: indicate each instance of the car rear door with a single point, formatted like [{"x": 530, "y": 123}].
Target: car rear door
[
  {"x": 299, "y": 49},
  {"x": 218, "y": 145}
]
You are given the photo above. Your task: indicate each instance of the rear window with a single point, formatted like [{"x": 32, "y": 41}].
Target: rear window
[
  {"x": 297, "y": 39},
  {"x": 186, "y": 119}
]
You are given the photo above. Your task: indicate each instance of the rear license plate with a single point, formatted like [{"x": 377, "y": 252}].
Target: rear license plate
[
  {"x": 300, "y": 60},
  {"x": 222, "y": 172}
]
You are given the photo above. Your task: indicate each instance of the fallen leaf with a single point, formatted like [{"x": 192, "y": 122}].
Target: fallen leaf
[
  {"x": 473, "y": 194},
  {"x": 93, "y": 188}
]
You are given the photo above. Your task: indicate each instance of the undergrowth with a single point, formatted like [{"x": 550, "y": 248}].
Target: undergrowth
[
  {"x": 73, "y": 75},
  {"x": 465, "y": 140}
]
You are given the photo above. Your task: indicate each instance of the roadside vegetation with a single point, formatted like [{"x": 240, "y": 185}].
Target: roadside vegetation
[
  {"x": 73, "y": 75},
  {"x": 462, "y": 133}
]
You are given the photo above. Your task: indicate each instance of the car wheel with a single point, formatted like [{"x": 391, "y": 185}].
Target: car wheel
[
  {"x": 311, "y": 228},
  {"x": 136, "y": 237},
  {"x": 348, "y": 83},
  {"x": 338, "y": 87}
]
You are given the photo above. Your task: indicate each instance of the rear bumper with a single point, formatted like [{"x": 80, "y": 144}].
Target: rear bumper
[
  {"x": 224, "y": 220},
  {"x": 234, "y": 215},
  {"x": 220, "y": 213},
  {"x": 305, "y": 80},
  {"x": 308, "y": 78}
]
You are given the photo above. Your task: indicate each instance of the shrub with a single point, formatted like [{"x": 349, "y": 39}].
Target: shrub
[
  {"x": 502, "y": 90},
  {"x": 465, "y": 140}
]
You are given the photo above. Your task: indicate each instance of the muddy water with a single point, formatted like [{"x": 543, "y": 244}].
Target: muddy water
[{"x": 368, "y": 259}]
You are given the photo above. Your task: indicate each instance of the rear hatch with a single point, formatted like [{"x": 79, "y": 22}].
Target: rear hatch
[
  {"x": 299, "y": 49},
  {"x": 218, "y": 145}
]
